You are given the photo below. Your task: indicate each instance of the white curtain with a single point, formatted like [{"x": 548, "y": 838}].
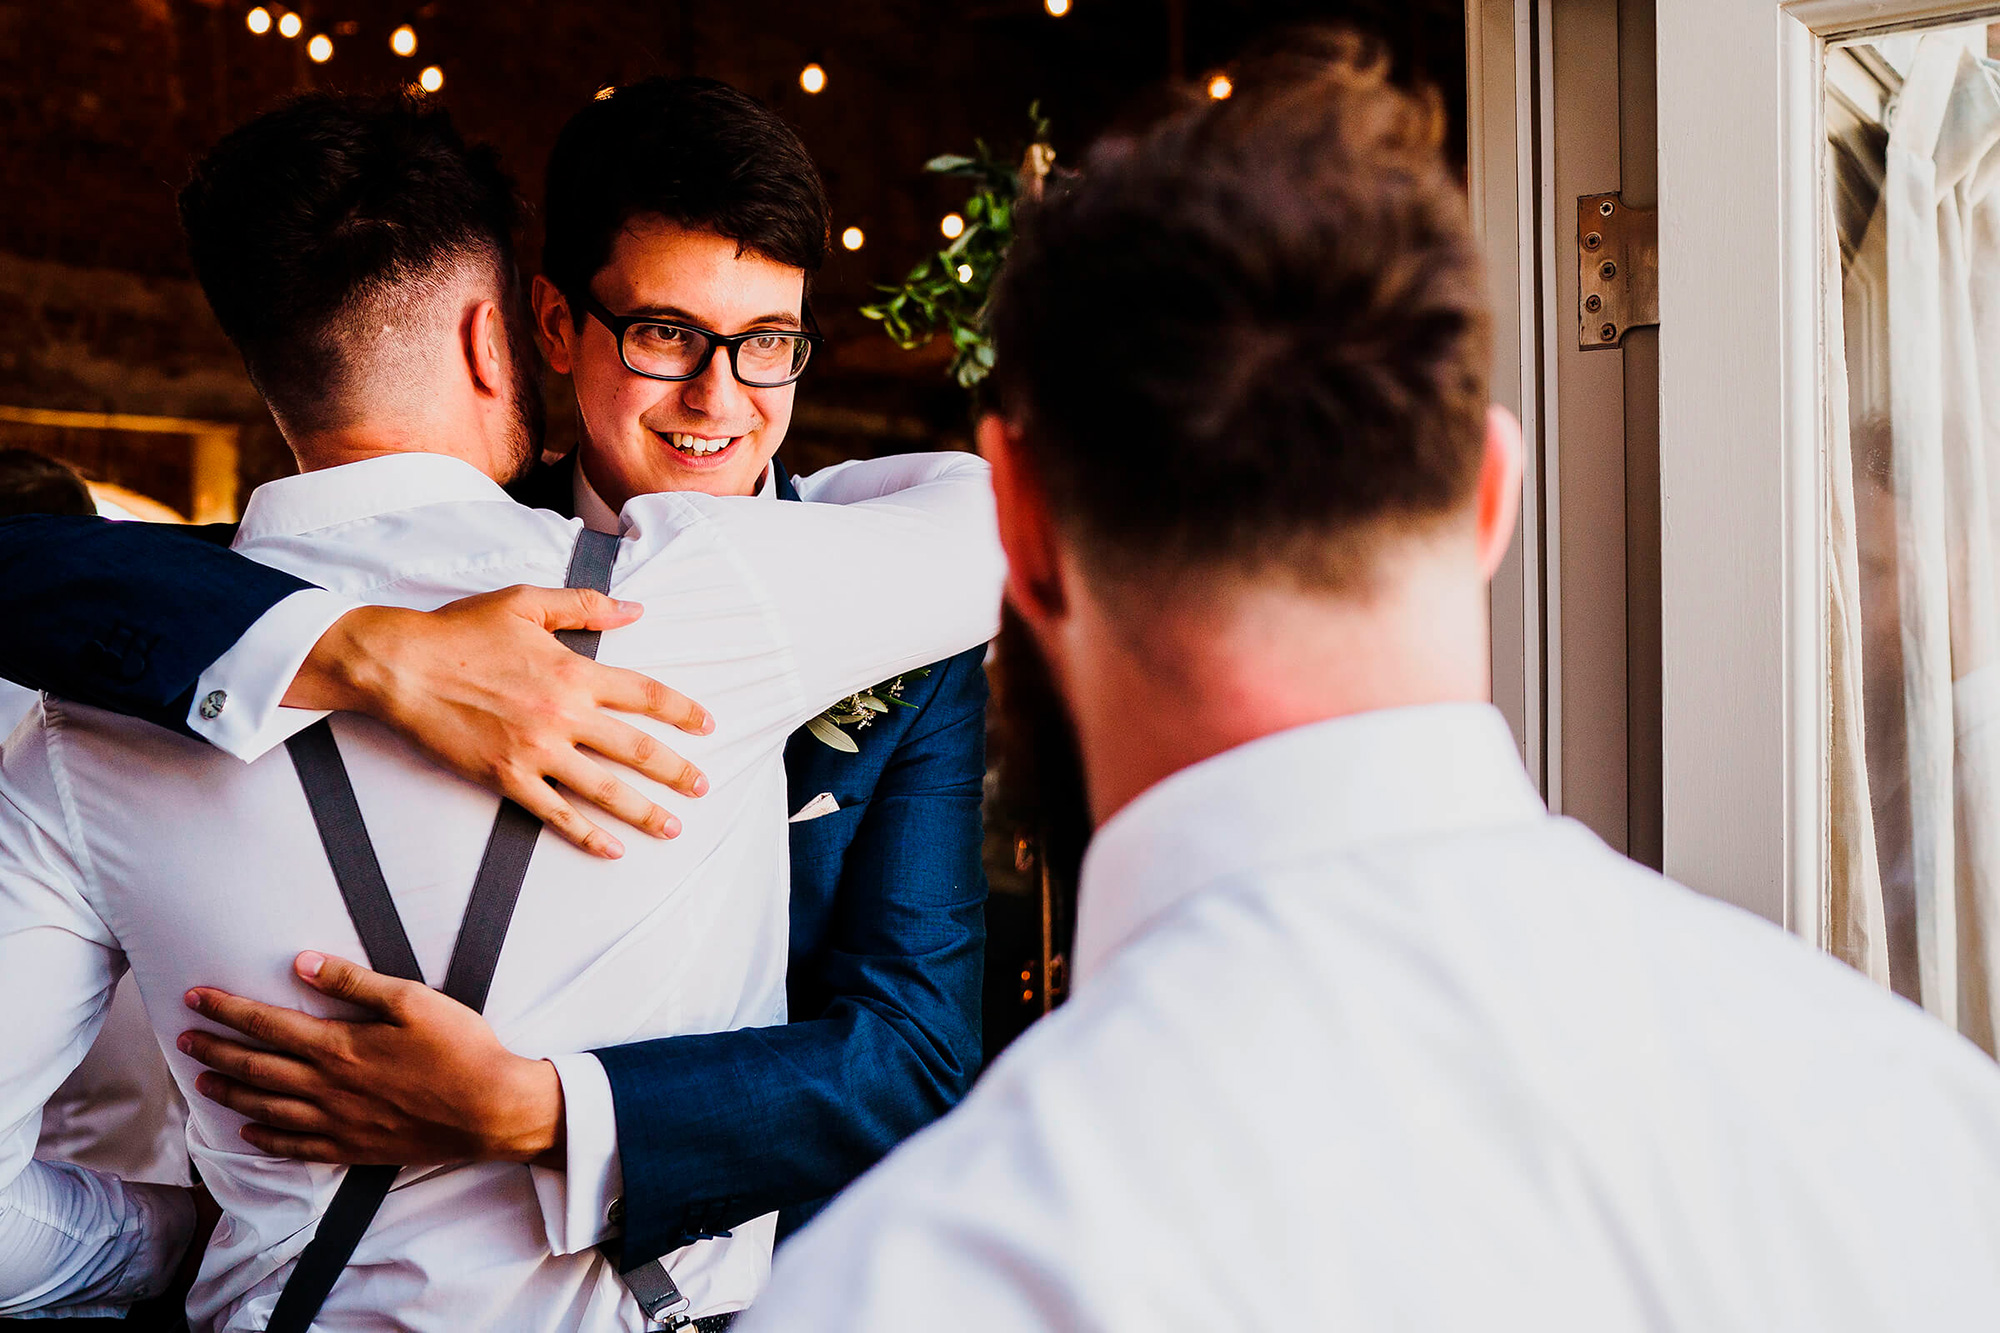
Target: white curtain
[{"x": 1914, "y": 590}]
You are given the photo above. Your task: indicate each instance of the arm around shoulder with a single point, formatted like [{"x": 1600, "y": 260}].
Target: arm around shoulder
[
  {"x": 907, "y": 572},
  {"x": 125, "y": 616}
]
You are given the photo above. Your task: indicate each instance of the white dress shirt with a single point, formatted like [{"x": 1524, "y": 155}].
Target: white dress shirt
[
  {"x": 1362, "y": 1038},
  {"x": 15, "y": 701},
  {"x": 118, "y": 1112},
  {"x": 122, "y": 843},
  {"x": 252, "y": 678},
  {"x": 593, "y": 1175}
]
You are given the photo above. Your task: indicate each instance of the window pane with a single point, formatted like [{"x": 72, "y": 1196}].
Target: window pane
[{"x": 1913, "y": 374}]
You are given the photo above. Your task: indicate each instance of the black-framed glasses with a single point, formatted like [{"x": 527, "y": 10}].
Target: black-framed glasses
[{"x": 661, "y": 349}]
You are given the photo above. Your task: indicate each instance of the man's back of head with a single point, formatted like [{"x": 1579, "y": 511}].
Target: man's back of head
[
  {"x": 1242, "y": 366},
  {"x": 32, "y": 483},
  {"x": 1255, "y": 337},
  {"x": 359, "y": 253}
]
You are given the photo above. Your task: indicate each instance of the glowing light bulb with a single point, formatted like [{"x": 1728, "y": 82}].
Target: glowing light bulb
[
  {"x": 320, "y": 48},
  {"x": 965, "y": 273},
  {"x": 431, "y": 79},
  {"x": 403, "y": 41},
  {"x": 1056, "y": 8},
  {"x": 812, "y": 78},
  {"x": 852, "y": 238},
  {"x": 604, "y": 93},
  {"x": 290, "y": 25},
  {"x": 952, "y": 225},
  {"x": 259, "y": 20},
  {"x": 1220, "y": 87}
]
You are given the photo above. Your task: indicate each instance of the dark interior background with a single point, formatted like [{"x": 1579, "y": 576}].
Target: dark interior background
[{"x": 104, "y": 104}]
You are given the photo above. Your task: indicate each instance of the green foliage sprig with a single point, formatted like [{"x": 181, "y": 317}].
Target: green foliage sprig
[{"x": 947, "y": 292}]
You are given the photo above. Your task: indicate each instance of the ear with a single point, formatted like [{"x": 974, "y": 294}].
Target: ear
[
  {"x": 553, "y": 327},
  {"x": 486, "y": 349},
  {"x": 1027, "y": 529},
  {"x": 1499, "y": 488}
]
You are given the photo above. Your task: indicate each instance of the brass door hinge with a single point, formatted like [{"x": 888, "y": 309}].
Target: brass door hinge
[{"x": 1617, "y": 269}]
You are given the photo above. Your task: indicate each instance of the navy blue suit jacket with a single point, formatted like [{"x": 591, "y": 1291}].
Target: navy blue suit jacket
[{"x": 887, "y": 905}]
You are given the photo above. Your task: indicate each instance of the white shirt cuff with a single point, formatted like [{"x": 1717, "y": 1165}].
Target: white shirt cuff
[
  {"x": 576, "y": 1202},
  {"x": 165, "y": 1234},
  {"x": 238, "y": 702},
  {"x": 101, "y": 1244}
]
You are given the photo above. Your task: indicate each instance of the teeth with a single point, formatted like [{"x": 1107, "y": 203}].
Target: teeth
[{"x": 695, "y": 444}]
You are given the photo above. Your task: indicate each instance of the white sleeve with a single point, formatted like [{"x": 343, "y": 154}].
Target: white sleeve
[
  {"x": 908, "y": 572},
  {"x": 867, "y": 479},
  {"x": 576, "y": 1201},
  {"x": 70, "y": 1239},
  {"x": 238, "y": 701},
  {"x": 80, "y": 1244}
]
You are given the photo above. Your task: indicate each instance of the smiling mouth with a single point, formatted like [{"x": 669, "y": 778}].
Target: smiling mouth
[{"x": 706, "y": 448}]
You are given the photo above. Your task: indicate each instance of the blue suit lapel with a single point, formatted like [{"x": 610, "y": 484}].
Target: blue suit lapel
[{"x": 783, "y": 476}]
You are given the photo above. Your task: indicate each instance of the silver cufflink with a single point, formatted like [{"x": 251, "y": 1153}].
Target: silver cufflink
[{"x": 212, "y": 705}]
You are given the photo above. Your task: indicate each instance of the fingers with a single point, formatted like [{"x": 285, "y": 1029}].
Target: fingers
[
  {"x": 571, "y": 608},
  {"x": 522, "y": 718},
  {"x": 594, "y": 784},
  {"x": 332, "y": 1145},
  {"x": 634, "y": 748},
  {"x": 631, "y": 692},
  {"x": 286, "y": 1030},
  {"x": 286, "y": 1113},
  {"x": 261, "y": 1069},
  {"x": 303, "y": 1147},
  {"x": 343, "y": 980},
  {"x": 545, "y": 803}
]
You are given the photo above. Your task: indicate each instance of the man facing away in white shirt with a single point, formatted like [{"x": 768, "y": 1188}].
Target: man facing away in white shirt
[
  {"x": 1361, "y": 1036},
  {"x": 359, "y": 254}
]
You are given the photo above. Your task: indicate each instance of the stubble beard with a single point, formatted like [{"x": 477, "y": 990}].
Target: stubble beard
[{"x": 529, "y": 411}]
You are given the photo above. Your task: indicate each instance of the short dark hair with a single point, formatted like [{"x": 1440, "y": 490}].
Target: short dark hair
[
  {"x": 300, "y": 218},
  {"x": 31, "y": 483},
  {"x": 694, "y": 151},
  {"x": 1255, "y": 335}
]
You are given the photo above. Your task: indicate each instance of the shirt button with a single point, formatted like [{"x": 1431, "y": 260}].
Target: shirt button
[{"x": 213, "y": 704}]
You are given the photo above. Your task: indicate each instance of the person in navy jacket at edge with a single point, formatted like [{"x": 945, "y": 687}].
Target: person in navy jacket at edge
[{"x": 888, "y": 892}]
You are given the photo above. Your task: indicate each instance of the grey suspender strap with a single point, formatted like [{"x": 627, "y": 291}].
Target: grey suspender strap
[
  {"x": 481, "y": 935},
  {"x": 589, "y": 567},
  {"x": 653, "y": 1287}
]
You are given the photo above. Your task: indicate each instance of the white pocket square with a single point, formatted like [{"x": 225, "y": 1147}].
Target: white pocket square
[{"x": 822, "y": 804}]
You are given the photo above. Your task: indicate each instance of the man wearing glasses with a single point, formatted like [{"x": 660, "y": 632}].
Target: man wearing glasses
[{"x": 683, "y": 223}]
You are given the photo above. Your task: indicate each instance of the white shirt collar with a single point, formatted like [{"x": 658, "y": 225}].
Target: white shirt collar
[
  {"x": 596, "y": 513},
  {"x": 1323, "y": 788},
  {"x": 383, "y": 485}
]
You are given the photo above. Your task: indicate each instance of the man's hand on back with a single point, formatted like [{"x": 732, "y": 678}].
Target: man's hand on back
[
  {"x": 420, "y": 1080},
  {"x": 483, "y": 687}
]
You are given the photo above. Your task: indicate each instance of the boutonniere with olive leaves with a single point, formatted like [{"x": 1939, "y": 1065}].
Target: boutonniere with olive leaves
[{"x": 860, "y": 710}]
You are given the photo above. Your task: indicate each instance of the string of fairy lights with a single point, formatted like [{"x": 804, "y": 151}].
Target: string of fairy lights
[
  {"x": 289, "y": 24},
  {"x": 812, "y": 79}
]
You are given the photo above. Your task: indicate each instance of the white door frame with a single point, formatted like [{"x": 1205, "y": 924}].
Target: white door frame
[
  {"x": 1500, "y": 139},
  {"x": 1743, "y": 591},
  {"x": 1543, "y": 128}
]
